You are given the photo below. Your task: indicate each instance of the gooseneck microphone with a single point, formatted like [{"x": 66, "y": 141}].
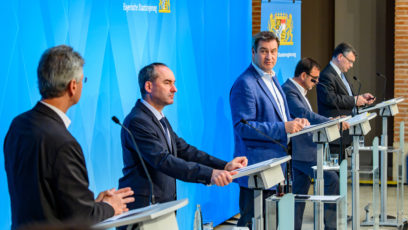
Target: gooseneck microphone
[
  {"x": 385, "y": 83},
  {"x": 151, "y": 197},
  {"x": 263, "y": 134},
  {"x": 358, "y": 92},
  {"x": 243, "y": 121}
]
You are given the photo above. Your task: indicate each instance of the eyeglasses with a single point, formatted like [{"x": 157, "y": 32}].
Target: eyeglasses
[
  {"x": 85, "y": 79},
  {"x": 314, "y": 79},
  {"x": 350, "y": 61}
]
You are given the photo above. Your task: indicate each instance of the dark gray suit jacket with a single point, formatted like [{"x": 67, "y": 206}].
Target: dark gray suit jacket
[
  {"x": 165, "y": 165},
  {"x": 332, "y": 94},
  {"x": 333, "y": 99},
  {"x": 46, "y": 172}
]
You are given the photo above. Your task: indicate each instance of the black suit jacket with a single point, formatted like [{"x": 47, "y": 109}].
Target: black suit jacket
[
  {"x": 333, "y": 100},
  {"x": 165, "y": 165},
  {"x": 46, "y": 172},
  {"x": 332, "y": 94}
]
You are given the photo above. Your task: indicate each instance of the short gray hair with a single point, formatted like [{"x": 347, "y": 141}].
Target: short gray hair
[{"x": 58, "y": 66}]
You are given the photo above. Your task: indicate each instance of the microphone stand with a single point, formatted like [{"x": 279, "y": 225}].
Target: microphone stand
[
  {"x": 287, "y": 174},
  {"x": 151, "y": 197}
]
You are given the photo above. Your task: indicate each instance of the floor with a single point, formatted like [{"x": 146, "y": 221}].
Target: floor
[{"x": 365, "y": 198}]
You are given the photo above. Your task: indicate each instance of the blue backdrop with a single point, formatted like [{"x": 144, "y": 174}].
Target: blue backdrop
[
  {"x": 283, "y": 17},
  {"x": 205, "y": 43}
]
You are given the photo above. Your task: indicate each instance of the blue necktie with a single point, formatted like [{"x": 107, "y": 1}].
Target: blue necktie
[{"x": 345, "y": 82}]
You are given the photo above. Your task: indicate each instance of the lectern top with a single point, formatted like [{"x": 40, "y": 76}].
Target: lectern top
[
  {"x": 312, "y": 128},
  {"x": 142, "y": 214},
  {"x": 383, "y": 104},
  {"x": 260, "y": 166},
  {"x": 361, "y": 118}
]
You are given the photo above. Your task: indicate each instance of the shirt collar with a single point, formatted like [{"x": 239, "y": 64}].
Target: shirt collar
[
  {"x": 263, "y": 73},
  {"x": 156, "y": 113},
  {"x": 61, "y": 114},
  {"x": 299, "y": 87},
  {"x": 336, "y": 68}
]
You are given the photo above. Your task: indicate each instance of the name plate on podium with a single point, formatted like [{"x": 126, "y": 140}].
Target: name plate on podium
[{"x": 360, "y": 125}]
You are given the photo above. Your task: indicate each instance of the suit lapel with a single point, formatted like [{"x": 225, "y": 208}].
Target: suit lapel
[
  {"x": 337, "y": 78},
  {"x": 266, "y": 90},
  {"x": 299, "y": 94},
  {"x": 158, "y": 125},
  {"x": 269, "y": 94}
]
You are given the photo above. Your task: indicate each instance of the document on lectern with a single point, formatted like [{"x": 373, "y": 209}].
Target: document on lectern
[
  {"x": 260, "y": 166},
  {"x": 382, "y": 104}
]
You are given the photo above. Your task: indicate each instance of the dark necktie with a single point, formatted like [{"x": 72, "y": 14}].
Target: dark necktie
[{"x": 166, "y": 130}]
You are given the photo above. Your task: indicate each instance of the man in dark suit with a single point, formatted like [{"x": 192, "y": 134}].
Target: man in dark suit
[
  {"x": 168, "y": 156},
  {"x": 303, "y": 149},
  {"x": 257, "y": 97},
  {"x": 335, "y": 95},
  {"x": 45, "y": 166}
]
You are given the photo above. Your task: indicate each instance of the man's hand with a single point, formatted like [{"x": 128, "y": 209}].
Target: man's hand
[
  {"x": 345, "y": 125},
  {"x": 236, "y": 163},
  {"x": 117, "y": 199},
  {"x": 360, "y": 100},
  {"x": 221, "y": 177},
  {"x": 370, "y": 98},
  {"x": 296, "y": 125}
]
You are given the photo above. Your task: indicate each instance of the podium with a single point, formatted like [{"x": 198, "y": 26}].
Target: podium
[
  {"x": 157, "y": 216},
  {"x": 323, "y": 133},
  {"x": 262, "y": 176},
  {"x": 359, "y": 127},
  {"x": 388, "y": 109}
]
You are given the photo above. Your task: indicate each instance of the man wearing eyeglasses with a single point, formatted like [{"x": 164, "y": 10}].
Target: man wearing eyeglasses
[
  {"x": 335, "y": 95},
  {"x": 304, "y": 151}
]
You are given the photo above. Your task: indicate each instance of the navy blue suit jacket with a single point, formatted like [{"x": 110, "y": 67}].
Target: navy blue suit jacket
[
  {"x": 303, "y": 148},
  {"x": 165, "y": 165},
  {"x": 250, "y": 99}
]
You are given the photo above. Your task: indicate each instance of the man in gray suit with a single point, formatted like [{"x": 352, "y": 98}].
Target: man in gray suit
[
  {"x": 335, "y": 94},
  {"x": 46, "y": 172}
]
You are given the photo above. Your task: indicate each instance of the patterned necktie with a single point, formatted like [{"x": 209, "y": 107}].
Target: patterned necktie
[{"x": 166, "y": 130}]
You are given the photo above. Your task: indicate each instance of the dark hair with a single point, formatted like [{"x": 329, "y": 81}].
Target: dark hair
[
  {"x": 306, "y": 65},
  {"x": 344, "y": 48},
  {"x": 263, "y": 36},
  {"x": 148, "y": 73},
  {"x": 57, "y": 67}
]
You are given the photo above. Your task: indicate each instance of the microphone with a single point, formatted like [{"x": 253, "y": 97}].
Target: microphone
[
  {"x": 276, "y": 142},
  {"x": 385, "y": 83},
  {"x": 358, "y": 93},
  {"x": 263, "y": 134},
  {"x": 151, "y": 197}
]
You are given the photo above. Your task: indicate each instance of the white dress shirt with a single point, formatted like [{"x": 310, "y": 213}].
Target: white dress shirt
[{"x": 277, "y": 96}]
